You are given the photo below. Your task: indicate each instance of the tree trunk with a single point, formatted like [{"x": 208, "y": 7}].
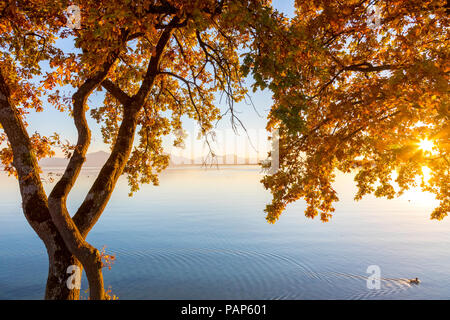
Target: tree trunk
[
  {"x": 59, "y": 259},
  {"x": 34, "y": 200}
]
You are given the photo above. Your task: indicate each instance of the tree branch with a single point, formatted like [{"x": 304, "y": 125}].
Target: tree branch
[
  {"x": 368, "y": 67},
  {"x": 97, "y": 198},
  {"x": 152, "y": 69},
  {"x": 79, "y": 98},
  {"x": 116, "y": 92}
]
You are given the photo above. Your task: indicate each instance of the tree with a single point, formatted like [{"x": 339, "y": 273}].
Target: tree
[
  {"x": 360, "y": 87},
  {"x": 156, "y": 60}
]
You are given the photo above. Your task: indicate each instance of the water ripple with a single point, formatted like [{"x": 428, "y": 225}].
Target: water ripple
[{"x": 216, "y": 273}]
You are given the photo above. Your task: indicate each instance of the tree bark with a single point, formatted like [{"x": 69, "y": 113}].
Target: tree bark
[
  {"x": 60, "y": 258},
  {"x": 34, "y": 200}
]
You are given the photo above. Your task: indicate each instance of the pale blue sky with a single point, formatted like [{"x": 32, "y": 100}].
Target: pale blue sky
[{"x": 51, "y": 120}]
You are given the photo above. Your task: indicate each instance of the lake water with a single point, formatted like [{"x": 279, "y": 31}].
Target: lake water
[{"x": 203, "y": 235}]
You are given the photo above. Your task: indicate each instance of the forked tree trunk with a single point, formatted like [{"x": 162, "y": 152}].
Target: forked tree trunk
[{"x": 63, "y": 236}]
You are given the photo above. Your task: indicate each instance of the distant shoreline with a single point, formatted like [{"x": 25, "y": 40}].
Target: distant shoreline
[
  {"x": 199, "y": 166},
  {"x": 181, "y": 166}
]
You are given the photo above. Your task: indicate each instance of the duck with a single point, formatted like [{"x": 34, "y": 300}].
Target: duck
[{"x": 414, "y": 281}]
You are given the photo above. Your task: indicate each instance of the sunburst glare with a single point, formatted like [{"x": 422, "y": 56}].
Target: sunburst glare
[{"x": 426, "y": 145}]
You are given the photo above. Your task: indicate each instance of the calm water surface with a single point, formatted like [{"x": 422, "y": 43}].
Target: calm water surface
[{"x": 202, "y": 235}]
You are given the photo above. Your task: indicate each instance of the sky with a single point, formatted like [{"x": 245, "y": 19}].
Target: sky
[{"x": 50, "y": 120}]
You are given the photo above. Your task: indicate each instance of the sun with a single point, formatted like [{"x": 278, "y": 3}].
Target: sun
[{"x": 426, "y": 145}]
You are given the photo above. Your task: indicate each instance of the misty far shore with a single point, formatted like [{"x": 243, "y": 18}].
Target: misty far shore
[{"x": 98, "y": 159}]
